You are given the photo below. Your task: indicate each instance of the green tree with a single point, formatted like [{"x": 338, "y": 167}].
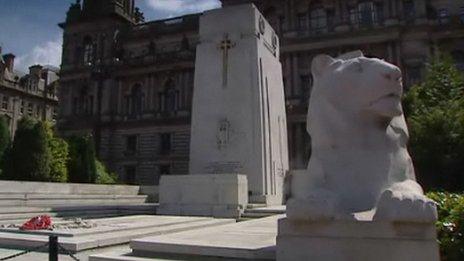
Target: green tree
[
  {"x": 435, "y": 113},
  {"x": 5, "y": 140},
  {"x": 59, "y": 155},
  {"x": 29, "y": 158},
  {"x": 81, "y": 164},
  {"x": 103, "y": 175}
]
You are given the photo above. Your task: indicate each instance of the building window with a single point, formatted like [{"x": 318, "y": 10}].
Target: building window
[
  {"x": 409, "y": 10},
  {"x": 30, "y": 109},
  {"x": 443, "y": 16},
  {"x": 88, "y": 105},
  {"x": 130, "y": 173},
  {"x": 84, "y": 103},
  {"x": 281, "y": 24},
  {"x": 318, "y": 20},
  {"x": 302, "y": 21},
  {"x": 169, "y": 99},
  {"x": 5, "y": 103},
  {"x": 131, "y": 144},
  {"x": 458, "y": 57},
  {"x": 37, "y": 111},
  {"x": 75, "y": 106},
  {"x": 414, "y": 75},
  {"x": 366, "y": 14},
  {"x": 89, "y": 51},
  {"x": 21, "y": 109},
  {"x": 55, "y": 113},
  {"x": 164, "y": 169},
  {"x": 165, "y": 143},
  {"x": 461, "y": 14},
  {"x": 136, "y": 101}
]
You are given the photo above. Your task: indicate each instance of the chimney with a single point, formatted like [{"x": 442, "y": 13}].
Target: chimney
[
  {"x": 9, "y": 61},
  {"x": 36, "y": 70}
]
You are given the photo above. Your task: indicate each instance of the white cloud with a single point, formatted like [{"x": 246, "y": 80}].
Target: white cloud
[
  {"x": 47, "y": 53},
  {"x": 177, "y": 7}
]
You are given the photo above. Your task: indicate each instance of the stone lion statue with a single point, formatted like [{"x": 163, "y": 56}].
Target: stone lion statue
[{"x": 359, "y": 161}]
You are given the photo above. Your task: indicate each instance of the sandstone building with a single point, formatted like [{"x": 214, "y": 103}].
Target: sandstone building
[
  {"x": 129, "y": 82},
  {"x": 33, "y": 94}
]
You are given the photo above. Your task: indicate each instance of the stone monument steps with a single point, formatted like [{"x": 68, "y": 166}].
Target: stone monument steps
[
  {"x": 38, "y": 199},
  {"x": 251, "y": 215},
  {"x": 256, "y": 205},
  {"x": 251, "y": 240},
  {"x": 13, "y": 210},
  {"x": 125, "y": 257},
  {"x": 15, "y": 215},
  {"x": 130, "y": 257},
  {"x": 262, "y": 212},
  {"x": 109, "y": 231}
]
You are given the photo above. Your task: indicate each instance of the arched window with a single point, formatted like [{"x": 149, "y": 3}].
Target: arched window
[
  {"x": 89, "y": 51},
  {"x": 169, "y": 97}
]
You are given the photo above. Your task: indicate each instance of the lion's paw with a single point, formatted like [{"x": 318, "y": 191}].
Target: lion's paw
[
  {"x": 319, "y": 205},
  {"x": 405, "y": 206}
]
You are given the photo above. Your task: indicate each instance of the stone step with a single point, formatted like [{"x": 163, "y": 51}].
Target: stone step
[
  {"x": 19, "y": 215},
  {"x": 256, "y": 205},
  {"x": 15, "y": 187},
  {"x": 59, "y": 220},
  {"x": 86, "y": 214},
  {"x": 261, "y": 212},
  {"x": 65, "y": 208},
  {"x": 128, "y": 256},
  {"x": 120, "y": 257},
  {"x": 250, "y": 240},
  {"x": 64, "y": 199},
  {"x": 251, "y": 215},
  {"x": 68, "y": 219}
]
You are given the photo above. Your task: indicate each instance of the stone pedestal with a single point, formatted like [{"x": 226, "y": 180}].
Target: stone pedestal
[
  {"x": 222, "y": 196},
  {"x": 354, "y": 240}
]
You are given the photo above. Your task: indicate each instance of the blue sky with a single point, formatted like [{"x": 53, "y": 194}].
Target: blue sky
[{"x": 29, "y": 28}]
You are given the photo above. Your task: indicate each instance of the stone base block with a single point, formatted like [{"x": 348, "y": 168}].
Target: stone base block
[
  {"x": 217, "y": 195},
  {"x": 356, "y": 241}
]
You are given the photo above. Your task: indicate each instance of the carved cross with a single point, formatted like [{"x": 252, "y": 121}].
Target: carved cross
[{"x": 225, "y": 46}]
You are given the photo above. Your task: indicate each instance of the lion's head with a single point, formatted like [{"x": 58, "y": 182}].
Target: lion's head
[
  {"x": 355, "y": 90},
  {"x": 358, "y": 84}
]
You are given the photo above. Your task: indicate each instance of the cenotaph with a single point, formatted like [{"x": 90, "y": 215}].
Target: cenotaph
[{"x": 239, "y": 122}]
